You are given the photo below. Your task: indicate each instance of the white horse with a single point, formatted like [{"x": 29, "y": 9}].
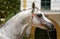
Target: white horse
[{"x": 17, "y": 24}]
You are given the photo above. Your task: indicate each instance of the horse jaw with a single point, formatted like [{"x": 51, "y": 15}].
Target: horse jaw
[{"x": 35, "y": 20}]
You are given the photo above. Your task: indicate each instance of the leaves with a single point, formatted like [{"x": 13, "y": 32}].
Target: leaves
[{"x": 7, "y": 7}]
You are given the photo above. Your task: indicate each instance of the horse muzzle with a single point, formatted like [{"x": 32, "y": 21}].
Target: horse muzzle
[{"x": 50, "y": 26}]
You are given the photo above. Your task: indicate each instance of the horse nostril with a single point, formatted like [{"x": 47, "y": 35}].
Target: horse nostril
[
  {"x": 39, "y": 15},
  {"x": 52, "y": 27}
]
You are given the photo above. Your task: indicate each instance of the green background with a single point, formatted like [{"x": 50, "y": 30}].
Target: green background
[{"x": 9, "y": 8}]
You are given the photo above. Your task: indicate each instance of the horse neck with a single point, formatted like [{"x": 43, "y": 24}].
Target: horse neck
[{"x": 14, "y": 25}]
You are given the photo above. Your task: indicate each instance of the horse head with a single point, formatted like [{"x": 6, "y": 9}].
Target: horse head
[{"x": 42, "y": 21}]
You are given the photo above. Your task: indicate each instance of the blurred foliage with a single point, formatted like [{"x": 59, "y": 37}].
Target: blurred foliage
[{"x": 8, "y": 8}]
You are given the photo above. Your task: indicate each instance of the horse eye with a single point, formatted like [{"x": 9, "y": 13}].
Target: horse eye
[{"x": 39, "y": 15}]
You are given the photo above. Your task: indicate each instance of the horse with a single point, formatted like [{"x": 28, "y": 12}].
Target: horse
[{"x": 18, "y": 24}]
